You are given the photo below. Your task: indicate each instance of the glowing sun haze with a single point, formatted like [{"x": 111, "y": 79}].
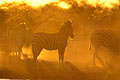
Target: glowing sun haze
[
  {"x": 38, "y": 3},
  {"x": 63, "y": 4},
  {"x": 102, "y": 3}
]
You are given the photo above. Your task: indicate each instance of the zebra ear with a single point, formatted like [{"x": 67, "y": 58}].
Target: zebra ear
[
  {"x": 22, "y": 23},
  {"x": 70, "y": 21}
]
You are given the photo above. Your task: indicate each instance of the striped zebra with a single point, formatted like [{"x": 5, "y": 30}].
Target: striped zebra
[
  {"x": 16, "y": 37},
  {"x": 55, "y": 41},
  {"x": 4, "y": 44},
  {"x": 104, "y": 38}
]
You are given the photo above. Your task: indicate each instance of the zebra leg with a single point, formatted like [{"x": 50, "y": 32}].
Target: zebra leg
[
  {"x": 15, "y": 53},
  {"x": 61, "y": 55},
  {"x": 19, "y": 54},
  {"x": 36, "y": 51},
  {"x": 94, "y": 55},
  {"x": 62, "y": 58},
  {"x": 59, "y": 58},
  {"x": 101, "y": 61}
]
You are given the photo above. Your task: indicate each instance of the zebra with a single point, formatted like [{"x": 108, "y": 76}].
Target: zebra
[
  {"x": 4, "y": 44},
  {"x": 104, "y": 38},
  {"x": 16, "y": 37},
  {"x": 52, "y": 41}
]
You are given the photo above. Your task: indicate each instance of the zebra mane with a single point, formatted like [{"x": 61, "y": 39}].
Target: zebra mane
[{"x": 65, "y": 26}]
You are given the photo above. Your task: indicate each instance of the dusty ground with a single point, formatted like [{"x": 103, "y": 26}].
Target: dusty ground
[
  {"x": 77, "y": 66},
  {"x": 44, "y": 70}
]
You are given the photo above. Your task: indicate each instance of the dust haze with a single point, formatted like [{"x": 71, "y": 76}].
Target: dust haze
[{"x": 78, "y": 62}]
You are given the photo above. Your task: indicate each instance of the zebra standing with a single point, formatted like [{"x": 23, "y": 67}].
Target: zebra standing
[
  {"x": 17, "y": 37},
  {"x": 105, "y": 38},
  {"x": 56, "y": 41}
]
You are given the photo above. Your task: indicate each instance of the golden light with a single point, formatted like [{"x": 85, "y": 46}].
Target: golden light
[
  {"x": 27, "y": 51},
  {"x": 92, "y": 2},
  {"x": 11, "y": 1},
  {"x": 4, "y": 7},
  {"x": 64, "y": 5},
  {"x": 102, "y": 3},
  {"x": 1, "y": 2},
  {"x": 38, "y": 3},
  {"x": 109, "y": 3}
]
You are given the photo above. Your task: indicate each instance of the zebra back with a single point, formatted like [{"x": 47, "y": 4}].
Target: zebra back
[
  {"x": 55, "y": 40},
  {"x": 106, "y": 38}
]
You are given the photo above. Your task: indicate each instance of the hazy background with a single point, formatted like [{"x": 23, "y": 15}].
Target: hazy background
[{"x": 49, "y": 18}]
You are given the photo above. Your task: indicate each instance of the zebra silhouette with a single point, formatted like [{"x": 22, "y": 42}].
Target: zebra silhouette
[
  {"x": 16, "y": 38},
  {"x": 55, "y": 41},
  {"x": 104, "y": 38}
]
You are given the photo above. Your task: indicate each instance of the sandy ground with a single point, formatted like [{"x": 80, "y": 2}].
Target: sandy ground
[
  {"x": 44, "y": 70},
  {"x": 77, "y": 65}
]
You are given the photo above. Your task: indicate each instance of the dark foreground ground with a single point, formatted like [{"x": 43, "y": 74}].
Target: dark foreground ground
[{"x": 44, "y": 70}]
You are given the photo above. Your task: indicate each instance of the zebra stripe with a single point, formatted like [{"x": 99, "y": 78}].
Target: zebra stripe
[
  {"x": 48, "y": 41},
  {"x": 105, "y": 38},
  {"x": 55, "y": 41},
  {"x": 4, "y": 44}
]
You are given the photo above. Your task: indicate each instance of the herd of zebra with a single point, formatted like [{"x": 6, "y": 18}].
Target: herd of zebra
[
  {"x": 18, "y": 37},
  {"x": 58, "y": 41}
]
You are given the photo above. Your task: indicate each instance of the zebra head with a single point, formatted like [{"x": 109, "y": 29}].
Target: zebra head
[
  {"x": 24, "y": 25},
  {"x": 69, "y": 29}
]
